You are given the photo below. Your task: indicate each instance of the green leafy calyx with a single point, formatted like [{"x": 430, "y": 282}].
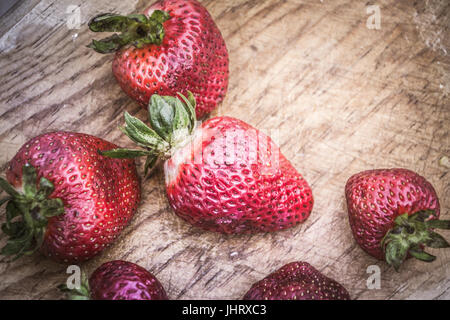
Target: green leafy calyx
[
  {"x": 135, "y": 29},
  {"x": 410, "y": 234},
  {"x": 172, "y": 122},
  {"x": 27, "y": 213}
]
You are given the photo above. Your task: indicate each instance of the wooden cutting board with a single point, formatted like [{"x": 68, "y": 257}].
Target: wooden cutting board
[{"x": 340, "y": 96}]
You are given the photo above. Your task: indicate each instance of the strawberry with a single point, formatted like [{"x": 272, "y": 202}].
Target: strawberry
[
  {"x": 118, "y": 280},
  {"x": 65, "y": 199},
  {"x": 222, "y": 175},
  {"x": 392, "y": 213},
  {"x": 174, "y": 46},
  {"x": 297, "y": 281}
]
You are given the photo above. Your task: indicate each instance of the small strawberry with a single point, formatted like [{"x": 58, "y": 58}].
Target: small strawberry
[
  {"x": 392, "y": 214},
  {"x": 297, "y": 281},
  {"x": 175, "y": 46},
  {"x": 65, "y": 199},
  {"x": 118, "y": 280},
  {"x": 222, "y": 175}
]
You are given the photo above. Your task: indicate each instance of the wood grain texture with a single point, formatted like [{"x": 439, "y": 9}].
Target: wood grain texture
[{"x": 337, "y": 97}]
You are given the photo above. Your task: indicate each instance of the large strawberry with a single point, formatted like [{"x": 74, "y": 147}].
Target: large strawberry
[
  {"x": 65, "y": 198},
  {"x": 297, "y": 281},
  {"x": 392, "y": 214},
  {"x": 118, "y": 280},
  {"x": 175, "y": 46},
  {"x": 222, "y": 175}
]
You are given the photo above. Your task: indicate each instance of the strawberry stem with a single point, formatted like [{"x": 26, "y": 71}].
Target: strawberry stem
[
  {"x": 134, "y": 29},
  {"x": 173, "y": 121},
  {"x": 28, "y": 212},
  {"x": 410, "y": 234}
]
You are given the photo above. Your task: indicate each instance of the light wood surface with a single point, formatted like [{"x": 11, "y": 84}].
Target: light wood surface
[{"x": 337, "y": 96}]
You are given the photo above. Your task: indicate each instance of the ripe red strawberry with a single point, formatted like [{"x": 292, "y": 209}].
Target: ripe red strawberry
[
  {"x": 222, "y": 175},
  {"x": 118, "y": 280},
  {"x": 392, "y": 213},
  {"x": 175, "y": 46},
  {"x": 297, "y": 281},
  {"x": 65, "y": 198}
]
